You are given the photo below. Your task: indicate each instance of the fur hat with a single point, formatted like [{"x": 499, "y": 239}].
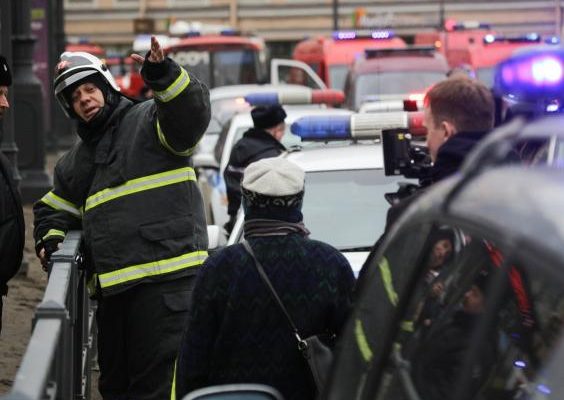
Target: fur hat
[
  {"x": 5, "y": 75},
  {"x": 265, "y": 117}
]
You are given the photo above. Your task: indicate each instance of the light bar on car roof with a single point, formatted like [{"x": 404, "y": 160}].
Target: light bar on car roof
[
  {"x": 356, "y": 126},
  {"x": 533, "y": 74},
  {"x": 528, "y": 38},
  {"x": 363, "y": 34},
  {"x": 306, "y": 96}
]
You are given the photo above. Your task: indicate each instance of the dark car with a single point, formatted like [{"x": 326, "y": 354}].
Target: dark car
[{"x": 486, "y": 321}]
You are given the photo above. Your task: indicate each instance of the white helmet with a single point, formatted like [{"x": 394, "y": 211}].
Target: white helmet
[{"x": 74, "y": 67}]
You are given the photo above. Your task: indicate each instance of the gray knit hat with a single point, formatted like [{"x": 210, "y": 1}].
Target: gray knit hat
[{"x": 274, "y": 177}]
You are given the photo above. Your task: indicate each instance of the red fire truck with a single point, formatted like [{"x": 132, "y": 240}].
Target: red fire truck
[{"x": 332, "y": 57}]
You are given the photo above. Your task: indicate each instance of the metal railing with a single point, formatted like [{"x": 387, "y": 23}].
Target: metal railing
[{"x": 57, "y": 361}]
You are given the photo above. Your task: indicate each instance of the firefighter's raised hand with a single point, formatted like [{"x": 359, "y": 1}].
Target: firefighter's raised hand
[{"x": 156, "y": 55}]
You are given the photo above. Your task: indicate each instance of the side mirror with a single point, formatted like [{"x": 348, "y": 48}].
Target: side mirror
[
  {"x": 205, "y": 160},
  {"x": 216, "y": 237},
  {"x": 243, "y": 391}
]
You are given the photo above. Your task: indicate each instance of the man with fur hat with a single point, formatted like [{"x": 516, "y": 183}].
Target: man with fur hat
[
  {"x": 261, "y": 141},
  {"x": 236, "y": 332},
  {"x": 12, "y": 228},
  {"x": 130, "y": 186}
]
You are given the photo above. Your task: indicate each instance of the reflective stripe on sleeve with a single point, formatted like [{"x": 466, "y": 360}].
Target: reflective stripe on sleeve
[
  {"x": 162, "y": 139},
  {"x": 175, "y": 88},
  {"x": 154, "y": 268},
  {"x": 362, "y": 342},
  {"x": 53, "y": 233},
  {"x": 58, "y": 203},
  {"x": 173, "y": 386},
  {"x": 387, "y": 279},
  {"x": 141, "y": 184}
]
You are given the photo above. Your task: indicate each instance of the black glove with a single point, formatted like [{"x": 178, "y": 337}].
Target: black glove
[
  {"x": 50, "y": 246},
  {"x": 228, "y": 226}
]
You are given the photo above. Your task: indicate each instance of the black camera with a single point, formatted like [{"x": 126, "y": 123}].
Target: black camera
[{"x": 402, "y": 157}]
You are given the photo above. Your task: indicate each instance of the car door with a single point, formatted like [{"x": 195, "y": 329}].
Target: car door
[
  {"x": 294, "y": 72},
  {"x": 485, "y": 324}
]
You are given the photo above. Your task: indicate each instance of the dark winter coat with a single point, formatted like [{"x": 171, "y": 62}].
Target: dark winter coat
[
  {"x": 450, "y": 157},
  {"x": 134, "y": 191},
  {"x": 255, "y": 145},
  {"x": 236, "y": 332}
]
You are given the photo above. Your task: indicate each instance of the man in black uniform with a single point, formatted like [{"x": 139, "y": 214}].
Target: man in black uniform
[
  {"x": 261, "y": 141},
  {"x": 129, "y": 184},
  {"x": 12, "y": 228}
]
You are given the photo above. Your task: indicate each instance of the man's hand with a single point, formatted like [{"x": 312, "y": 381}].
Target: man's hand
[
  {"x": 45, "y": 253},
  {"x": 156, "y": 55}
]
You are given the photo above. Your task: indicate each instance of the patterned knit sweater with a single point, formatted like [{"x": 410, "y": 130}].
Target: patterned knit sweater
[{"x": 236, "y": 333}]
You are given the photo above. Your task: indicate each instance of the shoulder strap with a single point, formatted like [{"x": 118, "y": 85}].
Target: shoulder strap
[{"x": 264, "y": 277}]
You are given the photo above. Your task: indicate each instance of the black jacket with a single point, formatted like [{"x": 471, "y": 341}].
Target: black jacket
[
  {"x": 450, "y": 157},
  {"x": 12, "y": 228},
  {"x": 255, "y": 145},
  {"x": 134, "y": 191}
]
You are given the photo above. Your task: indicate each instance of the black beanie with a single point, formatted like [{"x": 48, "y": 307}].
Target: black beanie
[
  {"x": 265, "y": 117},
  {"x": 5, "y": 75}
]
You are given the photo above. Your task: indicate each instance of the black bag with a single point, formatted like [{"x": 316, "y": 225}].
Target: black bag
[{"x": 316, "y": 353}]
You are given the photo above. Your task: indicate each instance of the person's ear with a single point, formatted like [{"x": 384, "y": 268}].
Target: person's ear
[{"x": 448, "y": 128}]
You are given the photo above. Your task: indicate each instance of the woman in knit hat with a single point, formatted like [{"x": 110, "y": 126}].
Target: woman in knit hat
[{"x": 236, "y": 332}]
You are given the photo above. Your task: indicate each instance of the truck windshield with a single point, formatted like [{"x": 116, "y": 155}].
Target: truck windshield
[
  {"x": 338, "y": 75},
  {"x": 220, "y": 67}
]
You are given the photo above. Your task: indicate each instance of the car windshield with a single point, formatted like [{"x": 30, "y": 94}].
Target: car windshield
[
  {"x": 338, "y": 75},
  {"x": 347, "y": 209},
  {"x": 370, "y": 86}
]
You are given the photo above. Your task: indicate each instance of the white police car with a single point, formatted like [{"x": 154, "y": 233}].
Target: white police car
[
  {"x": 344, "y": 202},
  {"x": 300, "y": 105}
]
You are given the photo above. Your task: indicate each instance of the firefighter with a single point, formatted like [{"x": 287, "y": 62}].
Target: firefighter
[{"x": 129, "y": 185}]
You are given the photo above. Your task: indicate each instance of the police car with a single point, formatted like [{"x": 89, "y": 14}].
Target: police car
[
  {"x": 344, "y": 202},
  {"x": 297, "y": 103},
  {"x": 488, "y": 323}
]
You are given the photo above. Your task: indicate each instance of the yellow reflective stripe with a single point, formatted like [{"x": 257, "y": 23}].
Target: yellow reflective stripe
[
  {"x": 175, "y": 88},
  {"x": 407, "y": 326},
  {"x": 173, "y": 388},
  {"x": 58, "y": 203},
  {"x": 162, "y": 139},
  {"x": 387, "y": 279},
  {"x": 141, "y": 184},
  {"x": 362, "y": 342},
  {"x": 154, "y": 268},
  {"x": 54, "y": 232}
]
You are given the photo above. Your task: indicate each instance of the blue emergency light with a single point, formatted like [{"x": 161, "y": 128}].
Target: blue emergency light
[
  {"x": 267, "y": 98},
  {"x": 356, "y": 126},
  {"x": 351, "y": 35},
  {"x": 303, "y": 96},
  {"x": 533, "y": 73}
]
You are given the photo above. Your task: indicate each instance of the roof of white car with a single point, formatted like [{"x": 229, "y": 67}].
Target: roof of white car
[{"x": 339, "y": 156}]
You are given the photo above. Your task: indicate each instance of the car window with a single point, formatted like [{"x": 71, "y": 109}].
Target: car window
[
  {"x": 478, "y": 324},
  {"x": 369, "y": 86},
  {"x": 338, "y": 75}
]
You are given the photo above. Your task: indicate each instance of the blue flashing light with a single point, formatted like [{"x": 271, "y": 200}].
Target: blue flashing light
[
  {"x": 344, "y": 35},
  {"x": 533, "y": 37},
  {"x": 552, "y": 107},
  {"x": 489, "y": 38},
  {"x": 267, "y": 98},
  {"x": 520, "y": 364},
  {"x": 192, "y": 34},
  {"x": 544, "y": 389},
  {"x": 552, "y": 40},
  {"x": 228, "y": 32},
  {"x": 532, "y": 74},
  {"x": 382, "y": 34},
  {"x": 322, "y": 128}
]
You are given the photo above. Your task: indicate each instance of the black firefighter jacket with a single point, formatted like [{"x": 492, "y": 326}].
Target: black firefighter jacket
[
  {"x": 134, "y": 192},
  {"x": 255, "y": 145}
]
